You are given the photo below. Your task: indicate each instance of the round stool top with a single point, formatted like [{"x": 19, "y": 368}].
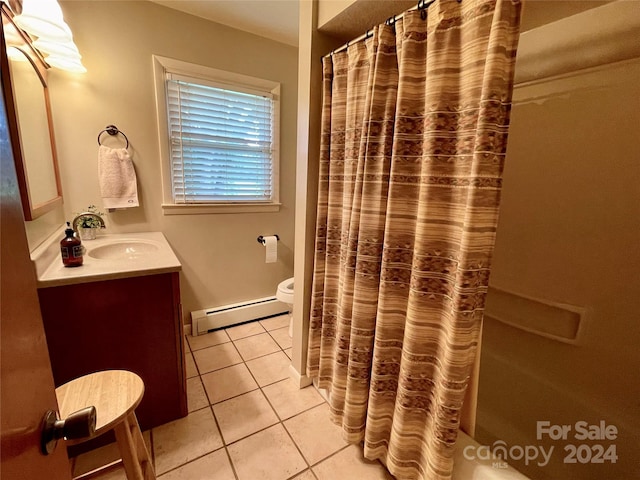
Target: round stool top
[{"x": 114, "y": 393}]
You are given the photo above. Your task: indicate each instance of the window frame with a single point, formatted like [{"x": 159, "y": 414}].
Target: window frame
[{"x": 236, "y": 82}]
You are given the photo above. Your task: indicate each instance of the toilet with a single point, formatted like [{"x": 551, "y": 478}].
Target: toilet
[{"x": 284, "y": 293}]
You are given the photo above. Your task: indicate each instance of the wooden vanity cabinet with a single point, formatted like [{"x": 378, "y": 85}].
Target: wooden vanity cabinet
[{"x": 128, "y": 323}]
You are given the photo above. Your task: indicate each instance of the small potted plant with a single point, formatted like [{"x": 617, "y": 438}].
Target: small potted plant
[{"x": 88, "y": 222}]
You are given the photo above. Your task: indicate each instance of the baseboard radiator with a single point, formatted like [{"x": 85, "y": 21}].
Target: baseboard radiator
[{"x": 219, "y": 317}]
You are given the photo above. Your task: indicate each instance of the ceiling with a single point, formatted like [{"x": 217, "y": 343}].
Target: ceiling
[
  {"x": 274, "y": 19},
  {"x": 278, "y": 19}
]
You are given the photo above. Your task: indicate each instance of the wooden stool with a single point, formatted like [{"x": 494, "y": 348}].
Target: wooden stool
[{"x": 115, "y": 394}]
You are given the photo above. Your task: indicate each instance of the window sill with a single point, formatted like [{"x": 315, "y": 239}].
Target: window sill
[{"x": 202, "y": 209}]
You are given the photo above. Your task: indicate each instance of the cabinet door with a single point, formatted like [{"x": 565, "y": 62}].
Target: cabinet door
[{"x": 132, "y": 324}]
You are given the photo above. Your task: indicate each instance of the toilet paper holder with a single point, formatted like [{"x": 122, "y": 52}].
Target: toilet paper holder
[{"x": 263, "y": 241}]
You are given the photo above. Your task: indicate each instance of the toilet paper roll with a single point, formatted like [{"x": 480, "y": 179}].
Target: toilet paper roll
[{"x": 271, "y": 244}]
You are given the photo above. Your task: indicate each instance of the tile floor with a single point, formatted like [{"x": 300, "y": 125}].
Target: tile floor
[{"x": 247, "y": 420}]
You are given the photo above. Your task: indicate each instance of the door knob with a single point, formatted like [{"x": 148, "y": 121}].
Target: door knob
[{"x": 79, "y": 424}]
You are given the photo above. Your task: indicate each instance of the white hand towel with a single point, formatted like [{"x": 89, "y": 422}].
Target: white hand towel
[{"x": 117, "y": 178}]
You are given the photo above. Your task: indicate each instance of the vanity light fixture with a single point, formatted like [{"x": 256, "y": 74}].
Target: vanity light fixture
[
  {"x": 63, "y": 55},
  {"x": 66, "y": 63},
  {"x": 43, "y": 19},
  {"x": 51, "y": 47}
]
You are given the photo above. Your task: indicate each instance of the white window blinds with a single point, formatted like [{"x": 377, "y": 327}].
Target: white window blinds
[{"x": 221, "y": 142}]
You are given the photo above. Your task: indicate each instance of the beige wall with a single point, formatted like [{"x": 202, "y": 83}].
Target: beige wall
[
  {"x": 569, "y": 232},
  {"x": 222, "y": 261}
]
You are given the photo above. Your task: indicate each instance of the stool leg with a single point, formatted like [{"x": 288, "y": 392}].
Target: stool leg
[
  {"x": 144, "y": 458},
  {"x": 136, "y": 460}
]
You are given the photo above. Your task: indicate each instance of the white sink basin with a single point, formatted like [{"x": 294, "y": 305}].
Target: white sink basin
[{"x": 124, "y": 250}]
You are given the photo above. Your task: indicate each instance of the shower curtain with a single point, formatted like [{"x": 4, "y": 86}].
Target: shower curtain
[{"x": 414, "y": 133}]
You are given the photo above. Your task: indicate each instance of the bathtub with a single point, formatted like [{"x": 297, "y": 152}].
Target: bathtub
[
  {"x": 469, "y": 467},
  {"x": 464, "y": 468}
]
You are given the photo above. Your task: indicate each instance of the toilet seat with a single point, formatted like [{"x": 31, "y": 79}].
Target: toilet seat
[{"x": 285, "y": 291}]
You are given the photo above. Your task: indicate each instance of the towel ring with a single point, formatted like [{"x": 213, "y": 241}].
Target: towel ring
[{"x": 113, "y": 130}]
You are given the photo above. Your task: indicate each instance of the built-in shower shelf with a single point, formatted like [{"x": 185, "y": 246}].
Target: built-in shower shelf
[{"x": 557, "y": 321}]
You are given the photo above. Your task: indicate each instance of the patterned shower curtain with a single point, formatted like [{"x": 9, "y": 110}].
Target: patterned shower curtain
[{"x": 414, "y": 133}]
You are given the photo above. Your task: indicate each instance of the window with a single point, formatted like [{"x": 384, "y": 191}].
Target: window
[{"x": 219, "y": 139}]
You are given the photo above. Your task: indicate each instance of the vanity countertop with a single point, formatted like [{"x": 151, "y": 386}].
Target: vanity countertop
[{"x": 157, "y": 257}]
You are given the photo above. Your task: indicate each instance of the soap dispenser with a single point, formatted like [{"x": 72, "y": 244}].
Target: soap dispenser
[{"x": 71, "y": 248}]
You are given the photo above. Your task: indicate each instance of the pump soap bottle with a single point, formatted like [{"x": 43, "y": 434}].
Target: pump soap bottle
[{"x": 71, "y": 248}]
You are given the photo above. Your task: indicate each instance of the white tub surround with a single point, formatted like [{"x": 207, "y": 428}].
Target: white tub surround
[
  {"x": 596, "y": 37},
  {"x": 157, "y": 258}
]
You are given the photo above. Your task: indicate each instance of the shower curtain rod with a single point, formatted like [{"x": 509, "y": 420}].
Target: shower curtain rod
[{"x": 422, "y": 5}]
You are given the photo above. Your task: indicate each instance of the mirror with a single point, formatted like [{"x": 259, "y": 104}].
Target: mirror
[{"x": 30, "y": 123}]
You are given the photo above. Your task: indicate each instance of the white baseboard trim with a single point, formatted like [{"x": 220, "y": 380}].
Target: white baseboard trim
[
  {"x": 301, "y": 380},
  {"x": 322, "y": 391}
]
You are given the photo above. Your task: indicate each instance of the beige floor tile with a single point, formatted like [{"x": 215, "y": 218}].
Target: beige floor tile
[
  {"x": 228, "y": 382},
  {"x": 266, "y": 455},
  {"x": 256, "y": 346},
  {"x": 306, "y": 475},
  {"x": 315, "y": 434},
  {"x": 289, "y": 352},
  {"x": 196, "y": 398},
  {"x": 270, "y": 368},
  {"x": 102, "y": 456},
  {"x": 288, "y": 400},
  {"x": 245, "y": 330},
  {"x": 190, "y": 365},
  {"x": 275, "y": 322},
  {"x": 217, "y": 357},
  {"x": 186, "y": 439},
  {"x": 214, "y": 466},
  {"x": 281, "y": 335},
  {"x": 207, "y": 339},
  {"x": 241, "y": 416},
  {"x": 350, "y": 464}
]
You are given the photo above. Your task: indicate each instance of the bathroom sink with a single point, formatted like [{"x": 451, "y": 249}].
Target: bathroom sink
[
  {"x": 124, "y": 250},
  {"x": 108, "y": 257}
]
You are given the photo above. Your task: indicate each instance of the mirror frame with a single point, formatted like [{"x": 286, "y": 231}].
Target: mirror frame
[{"x": 31, "y": 210}]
